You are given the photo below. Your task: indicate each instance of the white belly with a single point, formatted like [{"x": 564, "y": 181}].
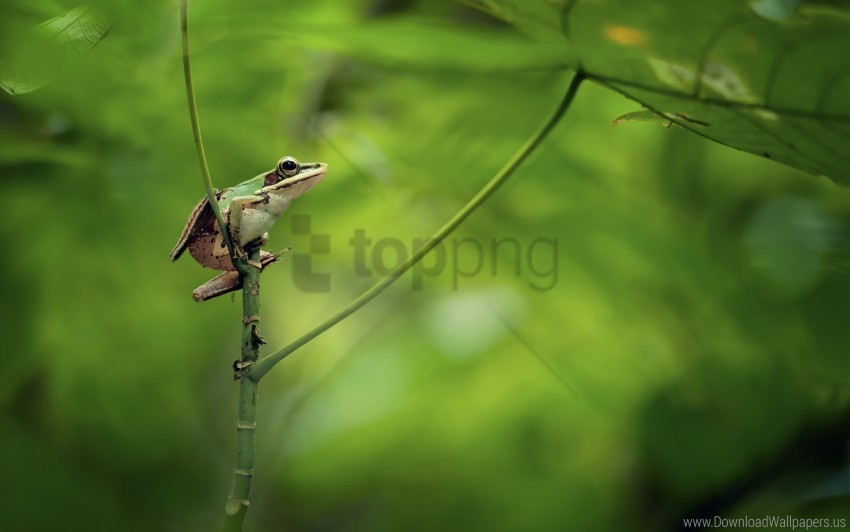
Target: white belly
[{"x": 255, "y": 222}]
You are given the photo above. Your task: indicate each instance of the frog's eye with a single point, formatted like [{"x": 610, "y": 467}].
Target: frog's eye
[{"x": 288, "y": 167}]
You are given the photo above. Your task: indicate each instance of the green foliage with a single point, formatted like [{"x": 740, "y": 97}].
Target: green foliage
[
  {"x": 692, "y": 348},
  {"x": 758, "y": 76},
  {"x": 51, "y": 49}
]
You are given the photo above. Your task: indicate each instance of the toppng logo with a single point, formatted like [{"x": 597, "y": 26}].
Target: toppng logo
[{"x": 464, "y": 258}]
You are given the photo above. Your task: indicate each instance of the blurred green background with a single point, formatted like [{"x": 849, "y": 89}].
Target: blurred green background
[{"x": 673, "y": 345}]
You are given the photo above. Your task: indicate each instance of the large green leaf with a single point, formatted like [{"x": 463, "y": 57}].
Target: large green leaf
[
  {"x": 766, "y": 77},
  {"x": 50, "y": 48}
]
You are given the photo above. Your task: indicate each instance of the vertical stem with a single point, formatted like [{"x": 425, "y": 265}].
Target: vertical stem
[
  {"x": 238, "y": 502},
  {"x": 243, "y": 473}
]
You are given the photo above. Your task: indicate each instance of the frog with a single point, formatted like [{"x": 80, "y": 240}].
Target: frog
[{"x": 249, "y": 210}]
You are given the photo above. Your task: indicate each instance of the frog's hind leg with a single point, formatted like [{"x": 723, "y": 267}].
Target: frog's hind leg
[
  {"x": 224, "y": 283},
  {"x": 229, "y": 281}
]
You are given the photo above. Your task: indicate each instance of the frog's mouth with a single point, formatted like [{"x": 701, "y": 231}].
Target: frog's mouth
[{"x": 313, "y": 172}]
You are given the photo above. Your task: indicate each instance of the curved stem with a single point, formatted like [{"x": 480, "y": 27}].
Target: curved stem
[
  {"x": 196, "y": 132},
  {"x": 258, "y": 370}
]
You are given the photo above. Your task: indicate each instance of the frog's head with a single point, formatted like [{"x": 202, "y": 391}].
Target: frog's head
[{"x": 292, "y": 179}]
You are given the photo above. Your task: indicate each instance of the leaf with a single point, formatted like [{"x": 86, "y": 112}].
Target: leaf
[
  {"x": 50, "y": 48},
  {"x": 770, "y": 77}
]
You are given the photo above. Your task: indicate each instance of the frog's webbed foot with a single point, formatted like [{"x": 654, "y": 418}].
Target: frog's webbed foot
[
  {"x": 258, "y": 243},
  {"x": 240, "y": 252},
  {"x": 243, "y": 252},
  {"x": 244, "y": 255}
]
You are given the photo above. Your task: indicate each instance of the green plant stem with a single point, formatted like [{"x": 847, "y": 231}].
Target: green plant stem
[
  {"x": 237, "y": 503},
  {"x": 258, "y": 370},
  {"x": 196, "y": 132}
]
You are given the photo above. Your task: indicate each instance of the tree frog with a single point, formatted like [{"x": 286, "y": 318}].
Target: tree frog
[{"x": 249, "y": 209}]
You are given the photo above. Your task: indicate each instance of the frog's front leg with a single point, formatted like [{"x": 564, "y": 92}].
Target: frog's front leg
[{"x": 248, "y": 222}]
